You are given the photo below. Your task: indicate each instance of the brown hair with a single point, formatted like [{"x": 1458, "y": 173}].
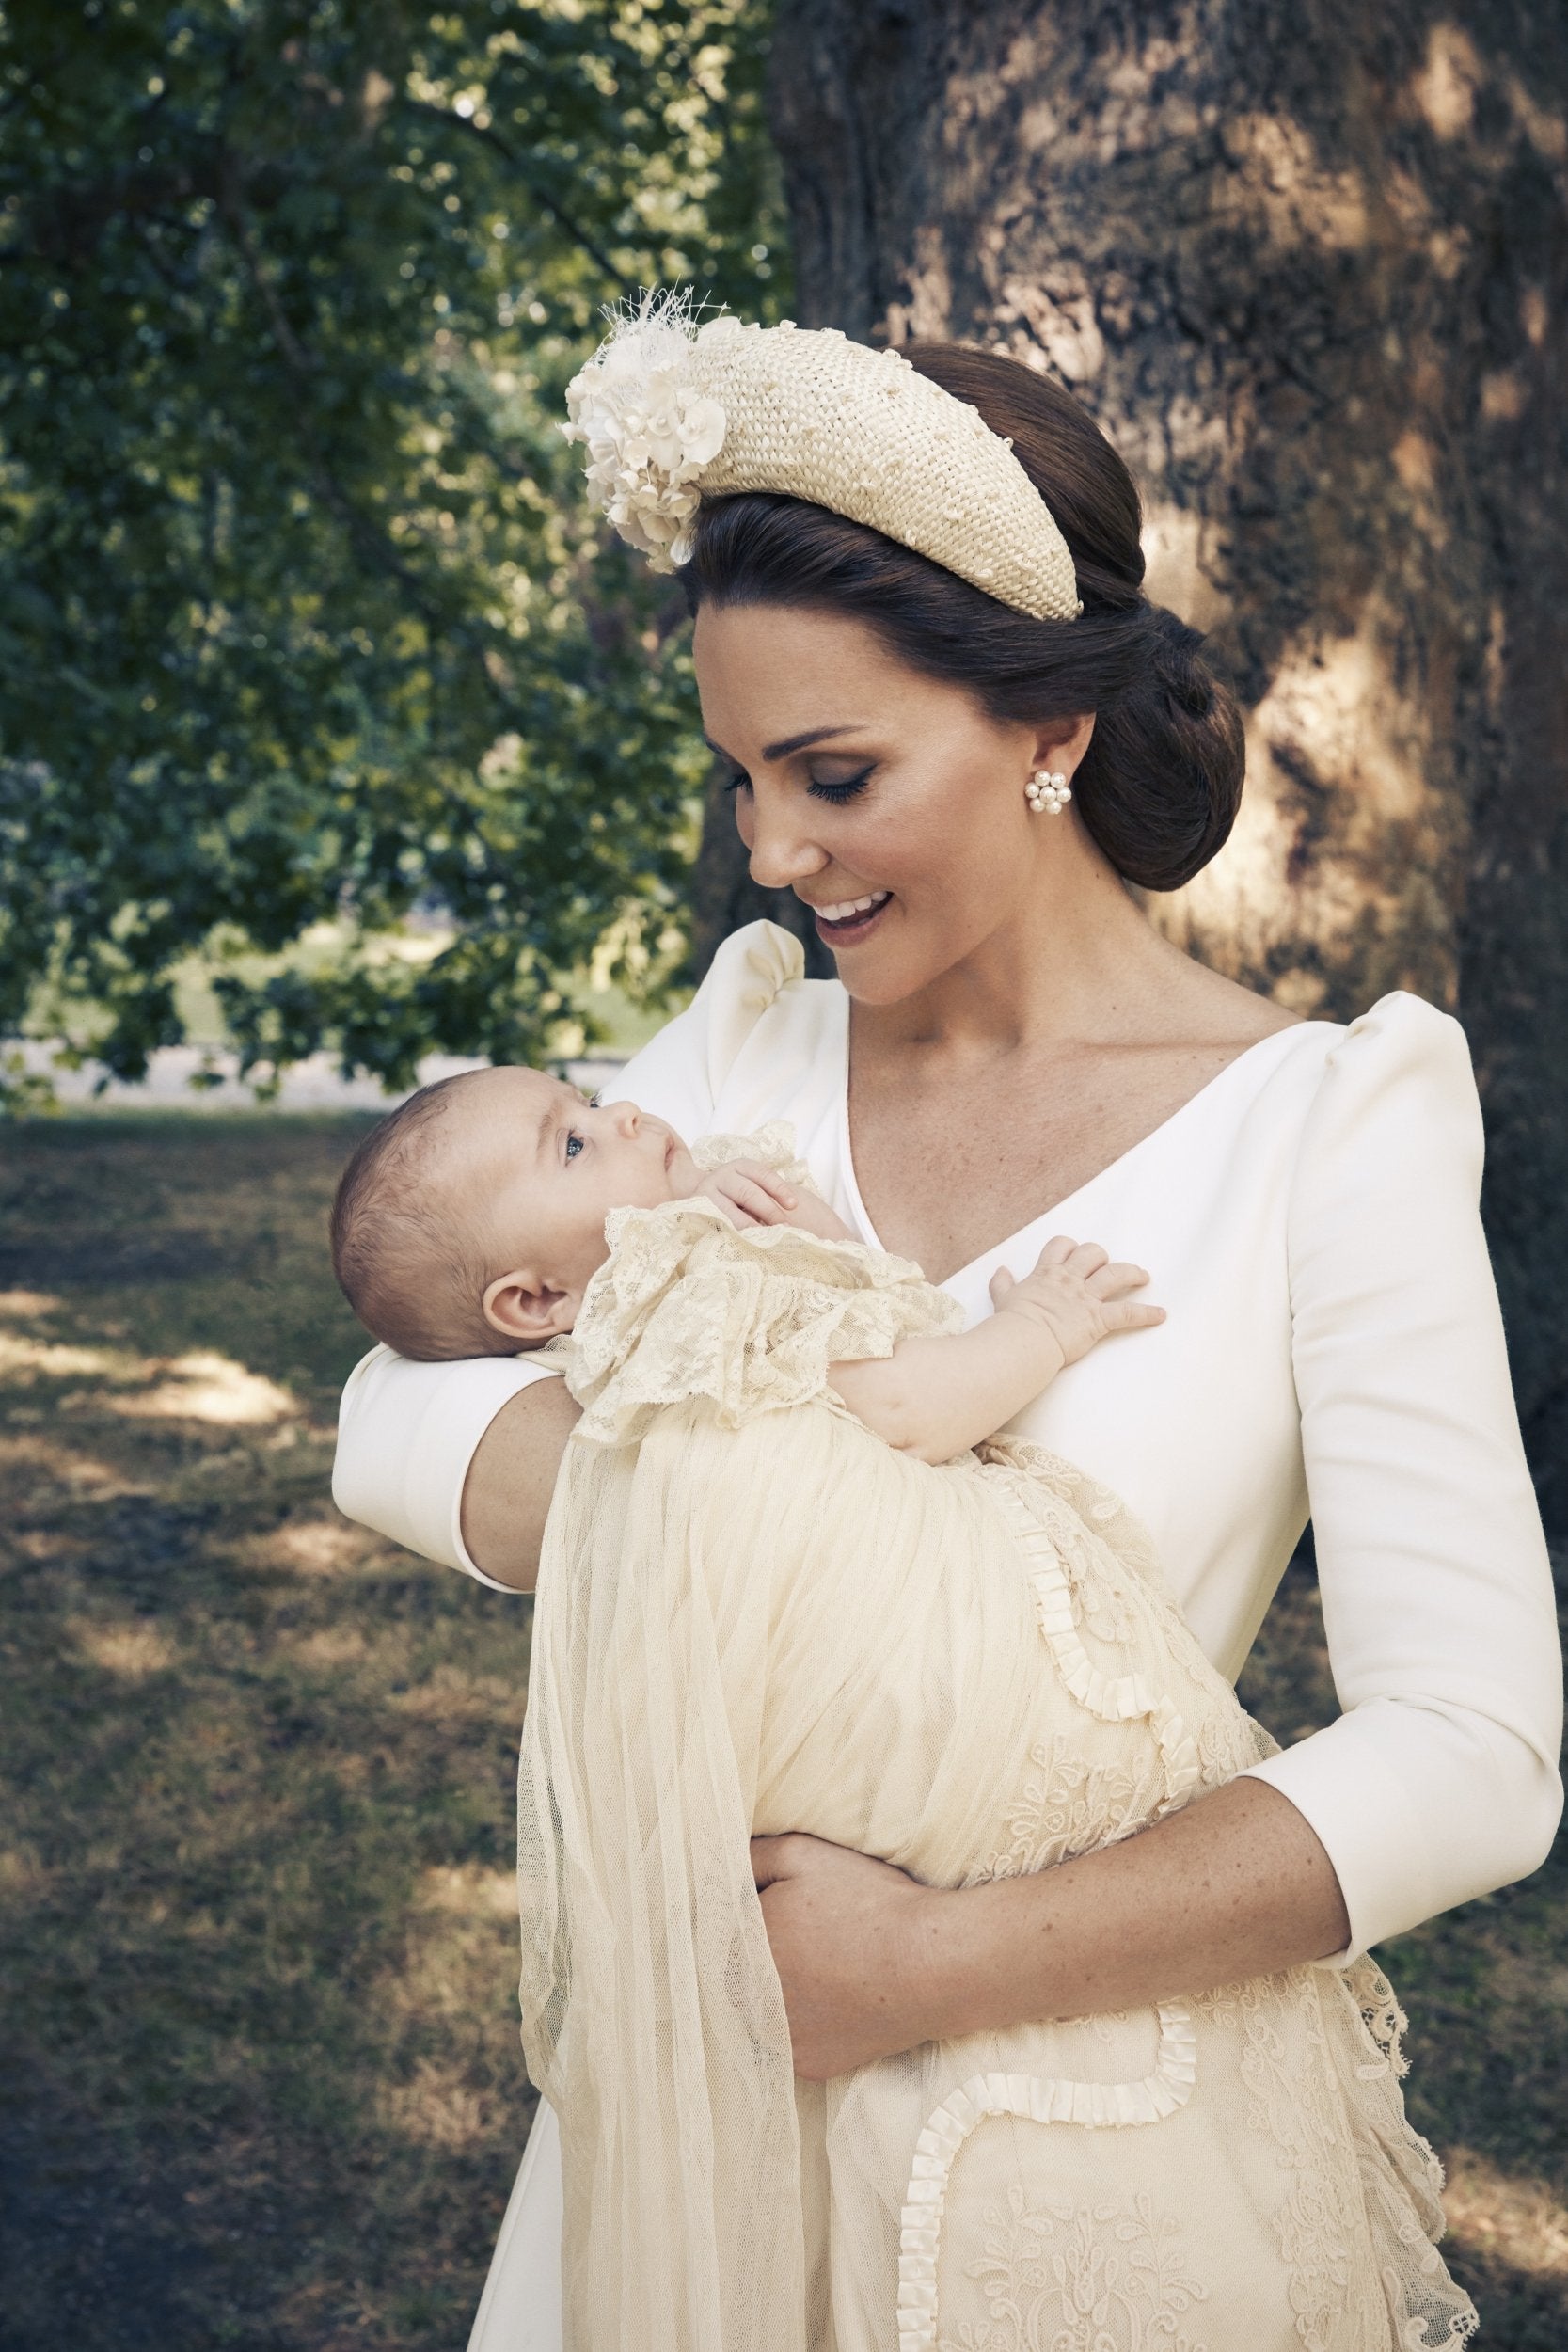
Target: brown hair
[
  {"x": 404, "y": 1254},
  {"x": 1160, "y": 785}
]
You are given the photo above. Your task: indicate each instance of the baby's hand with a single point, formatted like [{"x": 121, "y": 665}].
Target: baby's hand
[
  {"x": 1078, "y": 1294},
  {"x": 751, "y": 1193}
]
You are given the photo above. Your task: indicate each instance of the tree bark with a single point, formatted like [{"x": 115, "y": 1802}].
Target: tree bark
[{"x": 1309, "y": 267}]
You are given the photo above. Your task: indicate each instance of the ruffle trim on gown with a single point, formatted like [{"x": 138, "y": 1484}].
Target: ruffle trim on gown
[
  {"x": 1402, "y": 2178},
  {"x": 688, "y": 1306},
  {"x": 1026, "y": 2098},
  {"x": 1114, "y": 1698}
]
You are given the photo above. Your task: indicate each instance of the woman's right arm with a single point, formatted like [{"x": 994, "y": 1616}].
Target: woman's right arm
[
  {"x": 409, "y": 1435},
  {"x": 458, "y": 1461},
  {"x": 506, "y": 1496}
]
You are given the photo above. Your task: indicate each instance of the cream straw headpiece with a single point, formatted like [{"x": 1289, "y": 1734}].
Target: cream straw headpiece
[{"x": 672, "y": 412}]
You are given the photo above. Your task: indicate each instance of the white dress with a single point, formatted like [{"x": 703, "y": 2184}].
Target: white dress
[{"x": 1310, "y": 1222}]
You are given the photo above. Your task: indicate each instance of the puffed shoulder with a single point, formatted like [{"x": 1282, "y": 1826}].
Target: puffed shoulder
[
  {"x": 1403, "y": 1035},
  {"x": 755, "y": 961},
  {"x": 1398, "y": 1087},
  {"x": 751, "y": 968},
  {"x": 682, "y": 1073}
]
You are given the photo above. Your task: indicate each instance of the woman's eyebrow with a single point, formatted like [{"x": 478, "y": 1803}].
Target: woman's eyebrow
[{"x": 790, "y": 742}]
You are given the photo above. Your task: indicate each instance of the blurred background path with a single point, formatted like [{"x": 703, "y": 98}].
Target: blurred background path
[{"x": 315, "y": 1084}]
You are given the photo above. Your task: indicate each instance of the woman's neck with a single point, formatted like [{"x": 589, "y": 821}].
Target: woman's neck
[{"x": 1076, "y": 962}]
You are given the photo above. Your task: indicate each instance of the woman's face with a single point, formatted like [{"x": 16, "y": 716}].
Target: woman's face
[{"x": 886, "y": 800}]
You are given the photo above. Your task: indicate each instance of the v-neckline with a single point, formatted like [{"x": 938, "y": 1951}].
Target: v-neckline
[{"x": 1172, "y": 1119}]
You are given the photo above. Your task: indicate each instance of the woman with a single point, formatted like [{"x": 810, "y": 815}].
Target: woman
[{"x": 960, "y": 773}]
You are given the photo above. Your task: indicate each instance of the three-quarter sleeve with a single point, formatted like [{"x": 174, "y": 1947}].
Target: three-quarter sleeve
[
  {"x": 407, "y": 1432},
  {"x": 1439, "y": 1780}
]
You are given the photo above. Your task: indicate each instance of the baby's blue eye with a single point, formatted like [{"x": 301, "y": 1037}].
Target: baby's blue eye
[{"x": 574, "y": 1143}]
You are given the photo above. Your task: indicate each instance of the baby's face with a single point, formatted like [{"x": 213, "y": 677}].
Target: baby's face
[{"x": 550, "y": 1168}]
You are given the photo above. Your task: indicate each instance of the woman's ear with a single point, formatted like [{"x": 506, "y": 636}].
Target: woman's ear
[
  {"x": 1062, "y": 744},
  {"x": 523, "y": 1308}
]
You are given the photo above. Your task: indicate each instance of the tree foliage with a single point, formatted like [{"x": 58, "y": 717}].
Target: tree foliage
[{"x": 302, "y": 618}]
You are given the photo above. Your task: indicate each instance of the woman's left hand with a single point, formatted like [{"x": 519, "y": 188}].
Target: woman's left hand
[{"x": 854, "y": 1943}]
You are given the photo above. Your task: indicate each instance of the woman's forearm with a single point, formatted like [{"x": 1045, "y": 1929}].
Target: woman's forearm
[
  {"x": 1236, "y": 1886},
  {"x": 506, "y": 1495}
]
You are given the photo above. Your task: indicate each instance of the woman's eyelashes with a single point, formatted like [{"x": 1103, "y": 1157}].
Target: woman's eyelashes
[
  {"x": 834, "y": 789},
  {"x": 838, "y": 789}
]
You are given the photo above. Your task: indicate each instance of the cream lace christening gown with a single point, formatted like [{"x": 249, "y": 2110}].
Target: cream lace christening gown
[{"x": 754, "y": 1614}]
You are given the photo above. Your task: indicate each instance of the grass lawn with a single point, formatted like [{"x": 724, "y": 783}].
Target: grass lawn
[
  {"x": 259, "y": 2078},
  {"x": 259, "y": 2082}
]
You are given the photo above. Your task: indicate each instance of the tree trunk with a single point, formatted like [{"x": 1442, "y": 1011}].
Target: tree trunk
[{"x": 1308, "y": 266}]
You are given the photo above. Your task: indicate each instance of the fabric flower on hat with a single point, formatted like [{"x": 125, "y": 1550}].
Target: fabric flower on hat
[{"x": 648, "y": 434}]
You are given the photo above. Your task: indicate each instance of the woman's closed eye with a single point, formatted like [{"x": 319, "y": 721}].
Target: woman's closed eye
[
  {"x": 840, "y": 788},
  {"x": 834, "y": 789}
]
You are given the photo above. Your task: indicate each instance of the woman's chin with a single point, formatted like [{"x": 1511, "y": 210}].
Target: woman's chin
[
  {"x": 902, "y": 960},
  {"x": 885, "y": 973}
]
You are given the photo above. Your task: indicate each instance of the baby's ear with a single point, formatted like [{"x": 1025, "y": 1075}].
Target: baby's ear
[{"x": 527, "y": 1310}]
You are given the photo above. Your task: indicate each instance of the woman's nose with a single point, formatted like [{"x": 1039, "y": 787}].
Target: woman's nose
[{"x": 781, "y": 853}]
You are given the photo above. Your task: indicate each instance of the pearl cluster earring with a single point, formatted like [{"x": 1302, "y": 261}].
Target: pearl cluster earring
[{"x": 1048, "y": 792}]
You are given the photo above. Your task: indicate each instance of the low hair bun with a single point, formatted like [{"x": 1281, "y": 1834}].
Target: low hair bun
[
  {"x": 1160, "y": 785},
  {"x": 1178, "y": 648}
]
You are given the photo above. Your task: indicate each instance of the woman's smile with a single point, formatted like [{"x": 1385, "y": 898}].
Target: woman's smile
[{"x": 850, "y": 920}]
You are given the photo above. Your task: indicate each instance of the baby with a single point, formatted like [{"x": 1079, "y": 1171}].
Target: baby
[{"x": 471, "y": 1222}]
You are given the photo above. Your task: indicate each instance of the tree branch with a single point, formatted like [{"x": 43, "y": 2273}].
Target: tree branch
[
  {"x": 547, "y": 202},
  {"x": 371, "y": 544}
]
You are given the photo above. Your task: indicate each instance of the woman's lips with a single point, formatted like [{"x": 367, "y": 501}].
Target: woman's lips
[{"x": 847, "y": 921}]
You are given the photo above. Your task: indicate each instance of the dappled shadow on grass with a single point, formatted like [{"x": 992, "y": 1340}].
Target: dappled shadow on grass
[{"x": 259, "y": 2081}]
